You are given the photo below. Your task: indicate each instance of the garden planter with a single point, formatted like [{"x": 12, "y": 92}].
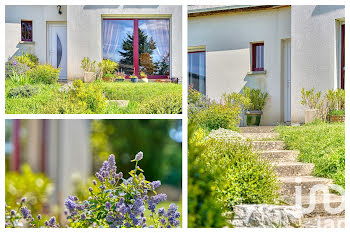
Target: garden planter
[
  {"x": 107, "y": 79},
  {"x": 336, "y": 118},
  {"x": 310, "y": 115},
  {"x": 253, "y": 117},
  {"x": 144, "y": 80},
  {"x": 89, "y": 77},
  {"x": 134, "y": 80}
]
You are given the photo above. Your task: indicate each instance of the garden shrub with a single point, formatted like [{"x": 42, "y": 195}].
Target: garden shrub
[
  {"x": 257, "y": 98},
  {"x": 13, "y": 66},
  {"x": 36, "y": 187},
  {"x": 247, "y": 178},
  {"x": 28, "y": 59},
  {"x": 109, "y": 67},
  {"x": 45, "y": 74},
  {"x": 203, "y": 208},
  {"x": 196, "y": 102},
  {"x": 84, "y": 98},
  {"x": 169, "y": 103},
  {"x": 219, "y": 116},
  {"x": 22, "y": 91},
  {"x": 118, "y": 202}
]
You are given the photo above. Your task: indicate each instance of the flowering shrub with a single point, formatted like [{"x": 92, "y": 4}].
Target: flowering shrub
[
  {"x": 45, "y": 74},
  {"x": 117, "y": 203},
  {"x": 13, "y": 66}
]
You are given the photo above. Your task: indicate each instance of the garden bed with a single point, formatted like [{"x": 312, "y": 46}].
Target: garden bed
[{"x": 50, "y": 99}]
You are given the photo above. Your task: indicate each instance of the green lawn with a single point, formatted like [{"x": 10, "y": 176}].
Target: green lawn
[
  {"x": 164, "y": 204},
  {"x": 49, "y": 100},
  {"x": 320, "y": 143}
]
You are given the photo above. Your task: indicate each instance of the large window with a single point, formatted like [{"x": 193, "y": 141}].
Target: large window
[
  {"x": 138, "y": 45},
  {"x": 26, "y": 30},
  {"x": 196, "y": 70},
  {"x": 258, "y": 57}
]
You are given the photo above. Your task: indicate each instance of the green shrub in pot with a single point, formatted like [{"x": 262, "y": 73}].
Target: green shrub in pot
[{"x": 257, "y": 102}]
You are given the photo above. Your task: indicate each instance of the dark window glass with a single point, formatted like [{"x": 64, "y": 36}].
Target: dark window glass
[
  {"x": 196, "y": 71},
  {"x": 26, "y": 31},
  {"x": 258, "y": 57}
]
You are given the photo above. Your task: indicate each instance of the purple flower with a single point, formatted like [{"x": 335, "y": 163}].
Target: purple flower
[
  {"x": 25, "y": 212},
  {"x": 23, "y": 200},
  {"x": 70, "y": 204},
  {"x": 65, "y": 212},
  {"x": 82, "y": 216},
  {"x": 161, "y": 211},
  {"x": 13, "y": 212},
  {"x": 52, "y": 221},
  {"x": 111, "y": 160},
  {"x": 155, "y": 184},
  {"x": 46, "y": 223},
  {"x": 39, "y": 217},
  {"x": 90, "y": 189},
  {"x": 94, "y": 182},
  {"x": 108, "y": 205},
  {"x": 138, "y": 156}
]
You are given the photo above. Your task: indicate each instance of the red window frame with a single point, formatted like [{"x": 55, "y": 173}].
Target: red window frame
[
  {"x": 136, "y": 47},
  {"x": 255, "y": 58},
  {"x": 22, "y": 28}
]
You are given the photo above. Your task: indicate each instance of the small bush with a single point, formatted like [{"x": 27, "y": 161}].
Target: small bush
[
  {"x": 170, "y": 103},
  {"x": 19, "y": 79},
  {"x": 13, "y": 66},
  {"x": 219, "y": 116},
  {"x": 257, "y": 98},
  {"x": 247, "y": 177},
  {"x": 22, "y": 91},
  {"x": 45, "y": 74},
  {"x": 109, "y": 67},
  {"x": 28, "y": 59},
  {"x": 203, "y": 207},
  {"x": 88, "y": 66}
]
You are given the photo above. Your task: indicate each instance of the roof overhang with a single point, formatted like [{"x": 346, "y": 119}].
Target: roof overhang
[{"x": 208, "y": 10}]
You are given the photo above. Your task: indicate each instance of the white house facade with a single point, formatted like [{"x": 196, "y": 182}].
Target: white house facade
[
  {"x": 265, "y": 47},
  {"x": 63, "y": 35}
]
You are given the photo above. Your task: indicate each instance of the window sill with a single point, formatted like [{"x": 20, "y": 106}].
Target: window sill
[
  {"x": 256, "y": 72},
  {"x": 27, "y": 42}
]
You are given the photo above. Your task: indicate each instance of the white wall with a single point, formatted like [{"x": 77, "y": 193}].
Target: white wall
[
  {"x": 40, "y": 15},
  {"x": 227, "y": 39},
  {"x": 314, "y": 53},
  {"x": 85, "y": 33}
]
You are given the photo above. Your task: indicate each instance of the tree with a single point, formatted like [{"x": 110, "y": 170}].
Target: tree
[{"x": 146, "y": 46}]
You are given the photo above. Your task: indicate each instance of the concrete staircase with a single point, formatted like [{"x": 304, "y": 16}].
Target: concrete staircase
[{"x": 293, "y": 174}]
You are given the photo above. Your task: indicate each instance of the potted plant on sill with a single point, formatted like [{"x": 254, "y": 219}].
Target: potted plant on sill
[
  {"x": 89, "y": 70},
  {"x": 313, "y": 101},
  {"x": 144, "y": 78},
  {"x": 257, "y": 102},
  {"x": 134, "y": 78}
]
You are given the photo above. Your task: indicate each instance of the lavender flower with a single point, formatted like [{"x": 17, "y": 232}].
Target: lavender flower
[
  {"x": 46, "y": 223},
  {"x": 83, "y": 216},
  {"x": 70, "y": 204},
  {"x": 52, "y": 221},
  {"x": 39, "y": 217},
  {"x": 161, "y": 211},
  {"x": 138, "y": 156},
  {"x": 25, "y": 212},
  {"x": 90, "y": 189},
  {"x": 24, "y": 199},
  {"x": 94, "y": 182},
  {"x": 155, "y": 184},
  {"x": 108, "y": 205},
  {"x": 13, "y": 212}
]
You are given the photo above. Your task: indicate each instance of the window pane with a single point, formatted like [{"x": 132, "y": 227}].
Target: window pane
[
  {"x": 154, "y": 41},
  {"x": 26, "y": 30},
  {"x": 196, "y": 71},
  {"x": 118, "y": 43}
]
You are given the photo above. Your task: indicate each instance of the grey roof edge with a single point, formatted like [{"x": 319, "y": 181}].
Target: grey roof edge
[{"x": 232, "y": 8}]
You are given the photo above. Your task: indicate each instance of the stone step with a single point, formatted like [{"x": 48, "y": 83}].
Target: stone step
[
  {"x": 320, "y": 201},
  {"x": 268, "y": 145},
  {"x": 289, "y": 183},
  {"x": 280, "y": 155},
  {"x": 324, "y": 222},
  {"x": 259, "y": 136},
  {"x": 294, "y": 168},
  {"x": 257, "y": 129}
]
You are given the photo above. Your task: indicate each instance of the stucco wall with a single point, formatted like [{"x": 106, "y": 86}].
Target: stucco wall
[
  {"x": 314, "y": 51},
  {"x": 40, "y": 15},
  {"x": 85, "y": 33},
  {"x": 227, "y": 39}
]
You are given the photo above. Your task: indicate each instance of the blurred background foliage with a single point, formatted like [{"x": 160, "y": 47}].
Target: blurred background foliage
[{"x": 125, "y": 139}]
